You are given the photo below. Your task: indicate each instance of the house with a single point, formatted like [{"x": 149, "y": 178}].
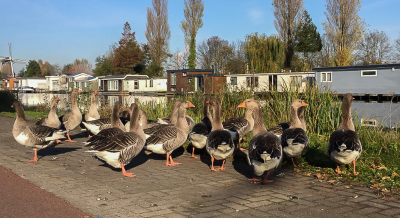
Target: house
[
  {"x": 192, "y": 80},
  {"x": 115, "y": 83},
  {"x": 10, "y": 83},
  {"x": 264, "y": 82},
  {"x": 37, "y": 83},
  {"x": 87, "y": 83},
  {"x": 57, "y": 83},
  {"x": 383, "y": 79},
  {"x": 73, "y": 80},
  {"x": 145, "y": 85}
]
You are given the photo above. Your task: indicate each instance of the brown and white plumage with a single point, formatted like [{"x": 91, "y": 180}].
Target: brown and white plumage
[
  {"x": 174, "y": 117},
  {"x": 265, "y": 150},
  {"x": 165, "y": 140},
  {"x": 219, "y": 142},
  {"x": 294, "y": 140},
  {"x": 239, "y": 126},
  {"x": 71, "y": 120},
  {"x": 52, "y": 119},
  {"x": 36, "y": 136},
  {"x": 278, "y": 129},
  {"x": 93, "y": 113},
  {"x": 120, "y": 149},
  {"x": 95, "y": 126},
  {"x": 344, "y": 145}
]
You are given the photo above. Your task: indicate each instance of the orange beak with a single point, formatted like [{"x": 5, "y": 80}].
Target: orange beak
[
  {"x": 12, "y": 106},
  {"x": 353, "y": 98},
  {"x": 80, "y": 91},
  {"x": 243, "y": 104},
  {"x": 96, "y": 92},
  {"x": 191, "y": 105},
  {"x": 304, "y": 104},
  {"x": 57, "y": 98},
  {"x": 208, "y": 102}
]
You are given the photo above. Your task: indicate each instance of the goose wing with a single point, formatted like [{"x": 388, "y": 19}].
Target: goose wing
[
  {"x": 117, "y": 142},
  {"x": 155, "y": 129},
  {"x": 278, "y": 129},
  {"x": 235, "y": 123},
  {"x": 103, "y": 135},
  {"x": 264, "y": 144},
  {"x": 163, "y": 135},
  {"x": 348, "y": 138}
]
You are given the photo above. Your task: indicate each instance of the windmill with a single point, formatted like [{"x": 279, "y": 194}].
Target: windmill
[{"x": 7, "y": 63}]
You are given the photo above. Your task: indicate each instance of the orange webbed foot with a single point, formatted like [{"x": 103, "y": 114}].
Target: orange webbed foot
[
  {"x": 128, "y": 174},
  {"x": 70, "y": 140},
  {"x": 265, "y": 181},
  {"x": 34, "y": 160},
  {"x": 254, "y": 180}
]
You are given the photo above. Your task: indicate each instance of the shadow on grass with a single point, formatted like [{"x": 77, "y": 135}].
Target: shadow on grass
[{"x": 318, "y": 157}]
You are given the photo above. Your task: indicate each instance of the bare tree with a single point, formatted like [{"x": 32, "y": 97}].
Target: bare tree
[
  {"x": 178, "y": 60},
  {"x": 158, "y": 32},
  {"x": 80, "y": 66},
  {"x": 193, "y": 13},
  {"x": 287, "y": 16},
  {"x": 210, "y": 51},
  {"x": 374, "y": 48},
  {"x": 344, "y": 28},
  {"x": 397, "y": 50}
]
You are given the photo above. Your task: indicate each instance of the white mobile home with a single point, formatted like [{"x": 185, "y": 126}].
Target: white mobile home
[
  {"x": 145, "y": 85},
  {"x": 33, "y": 82},
  {"x": 264, "y": 82}
]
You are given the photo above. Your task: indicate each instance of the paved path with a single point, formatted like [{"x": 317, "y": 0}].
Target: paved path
[{"x": 187, "y": 190}]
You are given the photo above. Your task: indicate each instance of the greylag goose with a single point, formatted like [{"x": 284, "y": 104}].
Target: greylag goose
[
  {"x": 93, "y": 113},
  {"x": 278, "y": 129},
  {"x": 174, "y": 116},
  {"x": 294, "y": 140},
  {"x": 239, "y": 126},
  {"x": 344, "y": 146},
  {"x": 145, "y": 125},
  {"x": 198, "y": 136},
  {"x": 170, "y": 137},
  {"x": 74, "y": 118},
  {"x": 95, "y": 126},
  {"x": 265, "y": 150},
  {"x": 52, "y": 119},
  {"x": 219, "y": 142},
  {"x": 36, "y": 136},
  {"x": 120, "y": 149},
  {"x": 114, "y": 128}
]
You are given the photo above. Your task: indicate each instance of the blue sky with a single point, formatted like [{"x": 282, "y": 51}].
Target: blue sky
[{"x": 62, "y": 31}]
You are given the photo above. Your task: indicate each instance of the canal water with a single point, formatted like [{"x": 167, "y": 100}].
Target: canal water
[{"x": 369, "y": 113}]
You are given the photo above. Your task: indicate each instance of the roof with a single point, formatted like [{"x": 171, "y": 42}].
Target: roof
[
  {"x": 32, "y": 78},
  {"x": 124, "y": 76},
  {"x": 191, "y": 70},
  {"x": 362, "y": 67},
  {"x": 77, "y": 74},
  {"x": 266, "y": 74}
]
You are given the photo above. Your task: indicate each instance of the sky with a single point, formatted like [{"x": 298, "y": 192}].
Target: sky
[{"x": 62, "y": 31}]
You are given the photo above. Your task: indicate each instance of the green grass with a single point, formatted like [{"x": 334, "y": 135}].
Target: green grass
[{"x": 34, "y": 114}]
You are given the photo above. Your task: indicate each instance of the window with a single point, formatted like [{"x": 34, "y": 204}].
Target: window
[
  {"x": 173, "y": 79},
  {"x": 183, "y": 74},
  {"x": 145, "y": 84},
  {"x": 252, "y": 81},
  {"x": 113, "y": 85},
  {"x": 151, "y": 83},
  {"x": 136, "y": 84},
  {"x": 326, "y": 77},
  {"x": 233, "y": 80},
  {"x": 369, "y": 73}
]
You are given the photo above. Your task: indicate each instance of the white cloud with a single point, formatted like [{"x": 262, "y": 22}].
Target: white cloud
[{"x": 256, "y": 16}]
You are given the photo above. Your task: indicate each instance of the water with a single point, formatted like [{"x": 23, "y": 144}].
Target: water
[{"x": 369, "y": 113}]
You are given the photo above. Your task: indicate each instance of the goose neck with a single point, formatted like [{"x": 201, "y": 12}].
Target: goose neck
[{"x": 259, "y": 126}]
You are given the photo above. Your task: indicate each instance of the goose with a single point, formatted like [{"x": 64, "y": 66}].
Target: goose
[
  {"x": 52, "y": 119},
  {"x": 198, "y": 136},
  {"x": 73, "y": 119},
  {"x": 219, "y": 142},
  {"x": 344, "y": 146},
  {"x": 294, "y": 140},
  {"x": 113, "y": 129},
  {"x": 239, "y": 126},
  {"x": 145, "y": 125},
  {"x": 174, "y": 116},
  {"x": 95, "y": 126},
  {"x": 93, "y": 113},
  {"x": 165, "y": 140},
  {"x": 265, "y": 150},
  {"x": 278, "y": 129},
  {"x": 120, "y": 149},
  {"x": 36, "y": 136}
]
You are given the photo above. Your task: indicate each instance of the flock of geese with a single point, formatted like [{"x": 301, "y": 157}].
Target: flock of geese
[{"x": 120, "y": 138}]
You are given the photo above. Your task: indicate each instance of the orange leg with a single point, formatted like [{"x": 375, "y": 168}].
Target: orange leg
[
  {"x": 354, "y": 168},
  {"x": 35, "y": 157},
  {"x": 266, "y": 178},
  {"x": 238, "y": 148},
  {"x": 125, "y": 173},
  {"x": 212, "y": 165},
  {"x": 89, "y": 136},
  {"x": 69, "y": 139},
  {"x": 254, "y": 179},
  {"x": 58, "y": 141},
  {"x": 222, "y": 166},
  {"x": 338, "y": 170},
  {"x": 172, "y": 161},
  {"x": 193, "y": 154},
  {"x": 294, "y": 165}
]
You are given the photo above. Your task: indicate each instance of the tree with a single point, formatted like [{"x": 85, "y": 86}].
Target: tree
[
  {"x": 307, "y": 39},
  {"x": 287, "y": 15},
  {"x": 81, "y": 66},
  {"x": 373, "y": 48},
  {"x": 178, "y": 59},
  {"x": 264, "y": 54},
  {"x": 237, "y": 63},
  {"x": 158, "y": 34},
  {"x": 128, "y": 54},
  {"x": 193, "y": 13},
  {"x": 210, "y": 51},
  {"x": 66, "y": 68},
  {"x": 33, "y": 69},
  {"x": 103, "y": 66},
  {"x": 343, "y": 28},
  {"x": 397, "y": 50}
]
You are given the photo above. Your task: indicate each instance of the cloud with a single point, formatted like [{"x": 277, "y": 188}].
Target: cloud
[{"x": 256, "y": 16}]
